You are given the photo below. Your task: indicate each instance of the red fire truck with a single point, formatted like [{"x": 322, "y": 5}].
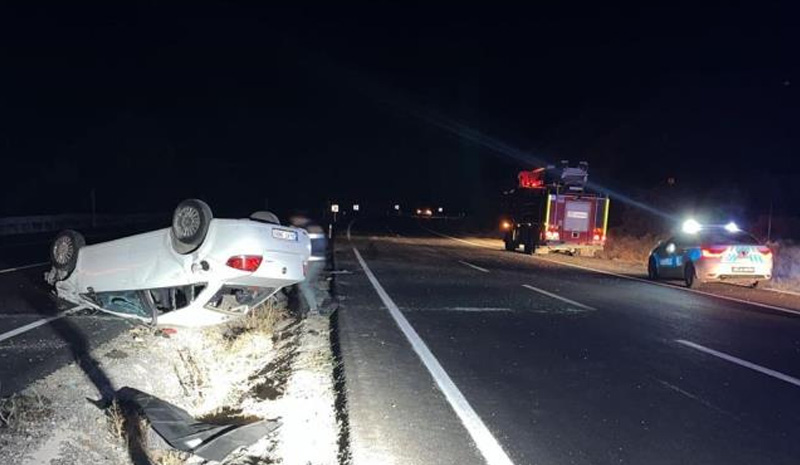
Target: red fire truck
[{"x": 550, "y": 210}]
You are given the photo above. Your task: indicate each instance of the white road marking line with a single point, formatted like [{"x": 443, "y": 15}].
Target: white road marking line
[
  {"x": 688, "y": 394},
  {"x": 34, "y": 325},
  {"x": 484, "y": 440},
  {"x": 473, "y": 266},
  {"x": 740, "y": 362},
  {"x": 633, "y": 278},
  {"x": 478, "y": 309},
  {"x": 457, "y": 239},
  {"x": 24, "y": 267},
  {"x": 556, "y": 296},
  {"x": 670, "y": 286}
]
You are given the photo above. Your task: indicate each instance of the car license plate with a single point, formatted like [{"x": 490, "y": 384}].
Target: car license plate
[
  {"x": 283, "y": 234},
  {"x": 743, "y": 269}
]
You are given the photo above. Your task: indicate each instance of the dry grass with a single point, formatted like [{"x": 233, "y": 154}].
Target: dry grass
[
  {"x": 629, "y": 248},
  {"x": 786, "y": 271},
  {"x": 19, "y": 410},
  {"x": 259, "y": 322},
  {"x": 263, "y": 318},
  {"x": 170, "y": 457},
  {"x": 116, "y": 420}
]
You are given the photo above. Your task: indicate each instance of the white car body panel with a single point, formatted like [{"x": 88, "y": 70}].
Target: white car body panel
[{"x": 148, "y": 261}]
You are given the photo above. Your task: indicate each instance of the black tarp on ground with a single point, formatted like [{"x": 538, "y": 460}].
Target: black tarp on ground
[{"x": 183, "y": 432}]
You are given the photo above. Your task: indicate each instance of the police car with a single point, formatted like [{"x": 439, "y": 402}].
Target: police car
[{"x": 701, "y": 254}]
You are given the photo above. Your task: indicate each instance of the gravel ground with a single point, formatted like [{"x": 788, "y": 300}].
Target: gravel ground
[{"x": 264, "y": 366}]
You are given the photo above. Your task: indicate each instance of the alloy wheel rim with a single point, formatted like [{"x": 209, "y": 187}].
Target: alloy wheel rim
[{"x": 187, "y": 222}]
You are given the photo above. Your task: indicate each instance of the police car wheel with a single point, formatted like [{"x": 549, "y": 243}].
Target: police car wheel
[
  {"x": 690, "y": 276},
  {"x": 652, "y": 269}
]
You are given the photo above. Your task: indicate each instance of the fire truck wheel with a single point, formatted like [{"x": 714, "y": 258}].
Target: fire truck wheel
[
  {"x": 529, "y": 247},
  {"x": 510, "y": 246}
]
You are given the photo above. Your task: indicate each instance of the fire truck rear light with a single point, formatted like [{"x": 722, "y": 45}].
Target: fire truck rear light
[{"x": 248, "y": 263}]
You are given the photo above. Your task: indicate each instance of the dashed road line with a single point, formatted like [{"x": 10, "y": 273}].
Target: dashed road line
[
  {"x": 632, "y": 278},
  {"x": 670, "y": 286},
  {"x": 473, "y": 266},
  {"x": 740, "y": 362},
  {"x": 558, "y": 297}
]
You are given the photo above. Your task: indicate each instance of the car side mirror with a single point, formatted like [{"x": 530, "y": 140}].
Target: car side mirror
[{"x": 670, "y": 248}]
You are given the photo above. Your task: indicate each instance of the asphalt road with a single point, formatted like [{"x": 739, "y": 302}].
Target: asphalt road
[
  {"x": 561, "y": 365},
  {"x": 25, "y": 299}
]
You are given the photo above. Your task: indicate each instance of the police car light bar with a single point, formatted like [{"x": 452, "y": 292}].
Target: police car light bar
[{"x": 691, "y": 226}]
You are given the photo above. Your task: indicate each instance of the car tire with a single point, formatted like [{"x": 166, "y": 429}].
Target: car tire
[
  {"x": 690, "y": 277},
  {"x": 265, "y": 217},
  {"x": 652, "y": 269},
  {"x": 190, "y": 223},
  {"x": 64, "y": 252}
]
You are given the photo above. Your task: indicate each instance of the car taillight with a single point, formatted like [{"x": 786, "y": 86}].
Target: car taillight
[
  {"x": 764, "y": 250},
  {"x": 712, "y": 252},
  {"x": 245, "y": 262}
]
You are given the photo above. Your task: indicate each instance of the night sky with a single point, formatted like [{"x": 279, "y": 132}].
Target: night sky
[{"x": 295, "y": 106}]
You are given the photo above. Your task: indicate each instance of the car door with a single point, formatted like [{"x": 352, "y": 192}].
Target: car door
[{"x": 670, "y": 262}]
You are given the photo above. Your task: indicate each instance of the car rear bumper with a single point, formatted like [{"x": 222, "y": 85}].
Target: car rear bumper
[{"x": 708, "y": 271}]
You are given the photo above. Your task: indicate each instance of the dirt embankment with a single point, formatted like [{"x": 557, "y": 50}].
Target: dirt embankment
[{"x": 268, "y": 365}]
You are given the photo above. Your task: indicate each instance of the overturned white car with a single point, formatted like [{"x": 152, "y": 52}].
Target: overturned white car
[{"x": 200, "y": 271}]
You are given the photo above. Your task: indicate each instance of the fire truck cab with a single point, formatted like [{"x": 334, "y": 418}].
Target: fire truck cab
[{"x": 551, "y": 211}]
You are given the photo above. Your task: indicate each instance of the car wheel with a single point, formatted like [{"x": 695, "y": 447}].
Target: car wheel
[
  {"x": 690, "y": 276},
  {"x": 265, "y": 217},
  {"x": 64, "y": 252},
  {"x": 652, "y": 269},
  {"x": 190, "y": 225}
]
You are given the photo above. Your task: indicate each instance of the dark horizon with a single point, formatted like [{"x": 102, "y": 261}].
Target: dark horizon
[{"x": 296, "y": 106}]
